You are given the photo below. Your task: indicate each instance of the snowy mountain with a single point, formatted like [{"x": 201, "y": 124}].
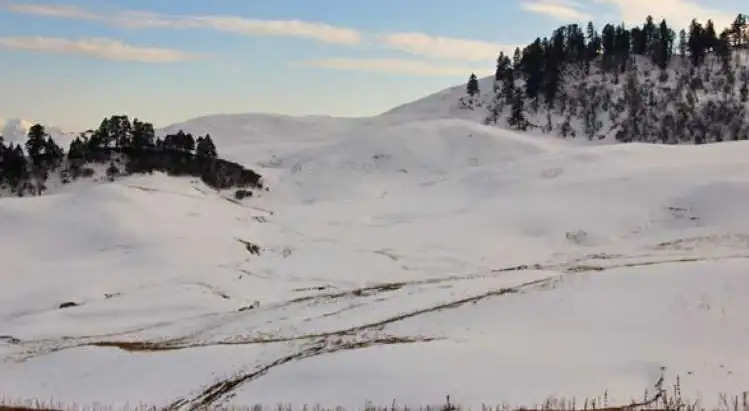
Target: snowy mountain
[
  {"x": 16, "y": 131},
  {"x": 405, "y": 256}
]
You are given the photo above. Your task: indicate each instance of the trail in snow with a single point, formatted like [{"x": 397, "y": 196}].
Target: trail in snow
[{"x": 397, "y": 228}]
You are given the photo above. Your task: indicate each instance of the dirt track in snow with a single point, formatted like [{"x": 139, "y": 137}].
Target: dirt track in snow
[{"x": 357, "y": 337}]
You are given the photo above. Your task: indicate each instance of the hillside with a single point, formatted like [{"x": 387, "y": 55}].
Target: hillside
[
  {"x": 625, "y": 84},
  {"x": 401, "y": 256},
  {"x": 406, "y": 256},
  {"x": 680, "y": 104},
  {"x": 677, "y": 105}
]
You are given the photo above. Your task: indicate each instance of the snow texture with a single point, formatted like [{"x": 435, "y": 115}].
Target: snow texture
[{"x": 405, "y": 256}]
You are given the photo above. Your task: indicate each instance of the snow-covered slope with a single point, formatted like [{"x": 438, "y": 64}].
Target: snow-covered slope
[
  {"x": 681, "y": 104},
  {"x": 445, "y": 104},
  {"x": 405, "y": 256}
]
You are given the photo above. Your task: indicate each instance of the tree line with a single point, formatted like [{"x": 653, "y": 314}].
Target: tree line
[
  {"x": 117, "y": 132},
  {"x": 536, "y": 74},
  {"x": 180, "y": 153}
]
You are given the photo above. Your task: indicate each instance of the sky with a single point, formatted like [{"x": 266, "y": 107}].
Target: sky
[{"x": 72, "y": 63}]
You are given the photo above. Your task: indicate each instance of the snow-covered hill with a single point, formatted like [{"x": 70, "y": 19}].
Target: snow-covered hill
[
  {"x": 405, "y": 256},
  {"x": 681, "y": 104}
]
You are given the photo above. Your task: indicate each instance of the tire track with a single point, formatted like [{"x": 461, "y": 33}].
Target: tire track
[
  {"x": 578, "y": 266},
  {"x": 169, "y": 346},
  {"x": 53, "y": 345},
  {"x": 214, "y": 393}
]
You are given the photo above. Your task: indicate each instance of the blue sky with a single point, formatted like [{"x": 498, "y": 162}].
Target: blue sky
[{"x": 71, "y": 63}]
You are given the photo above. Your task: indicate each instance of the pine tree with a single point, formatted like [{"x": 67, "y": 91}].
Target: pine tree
[
  {"x": 554, "y": 59},
  {"x": 665, "y": 45},
  {"x": 188, "y": 143},
  {"x": 635, "y": 105},
  {"x": 711, "y": 37},
  {"x": 504, "y": 80},
  {"x": 473, "y": 85},
  {"x": 206, "y": 148},
  {"x": 574, "y": 47},
  {"x": 593, "y": 46},
  {"x": 143, "y": 134},
  {"x": 121, "y": 131},
  {"x": 590, "y": 33},
  {"x": 77, "y": 150},
  {"x": 723, "y": 49},
  {"x": 608, "y": 39},
  {"x": 516, "y": 59},
  {"x": 639, "y": 45},
  {"x": 102, "y": 137},
  {"x": 36, "y": 143},
  {"x": 532, "y": 65},
  {"x": 622, "y": 46},
  {"x": 738, "y": 32},
  {"x": 517, "y": 118},
  {"x": 508, "y": 86},
  {"x": 503, "y": 64},
  {"x": 504, "y": 69},
  {"x": 499, "y": 72},
  {"x": 181, "y": 141},
  {"x": 53, "y": 153},
  {"x": 696, "y": 44},
  {"x": 649, "y": 32},
  {"x": 14, "y": 168}
]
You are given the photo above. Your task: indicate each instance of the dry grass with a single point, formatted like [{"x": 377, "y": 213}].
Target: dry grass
[{"x": 662, "y": 401}]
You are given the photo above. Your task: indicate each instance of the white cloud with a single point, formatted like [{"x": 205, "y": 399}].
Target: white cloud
[
  {"x": 393, "y": 66},
  {"x": 557, "y": 9},
  {"x": 421, "y": 44},
  {"x": 679, "y": 13},
  {"x": 244, "y": 26},
  {"x": 418, "y": 44},
  {"x": 102, "y": 48},
  {"x": 52, "y": 10},
  {"x": 233, "y": 24}
]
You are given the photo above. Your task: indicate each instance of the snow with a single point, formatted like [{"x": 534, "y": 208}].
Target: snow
[
  {"x": 16, "y": 131},
  {"x": 599, "y": 97},
  {"x": 581, "y": 337},
  {"x": 405, "y": 256}
]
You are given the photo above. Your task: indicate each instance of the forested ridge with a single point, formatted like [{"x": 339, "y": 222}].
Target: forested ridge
[
  {"x": 648, "y": 84},
  {"x": 124, "y": 147}
]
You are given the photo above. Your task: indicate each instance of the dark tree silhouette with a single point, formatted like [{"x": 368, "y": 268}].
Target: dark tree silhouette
[
  {"x": 206, "y": 148},
  {"x": 697, "y": 44},
  {"x": 473, "y": 85},
  {"x": 143, "y": 134},
  {"x": 181, "y": 141},
  {"x": 36, "y": 143},
  {"x": 53, "y": 154},
  {"x": 517, "y": 118}
]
